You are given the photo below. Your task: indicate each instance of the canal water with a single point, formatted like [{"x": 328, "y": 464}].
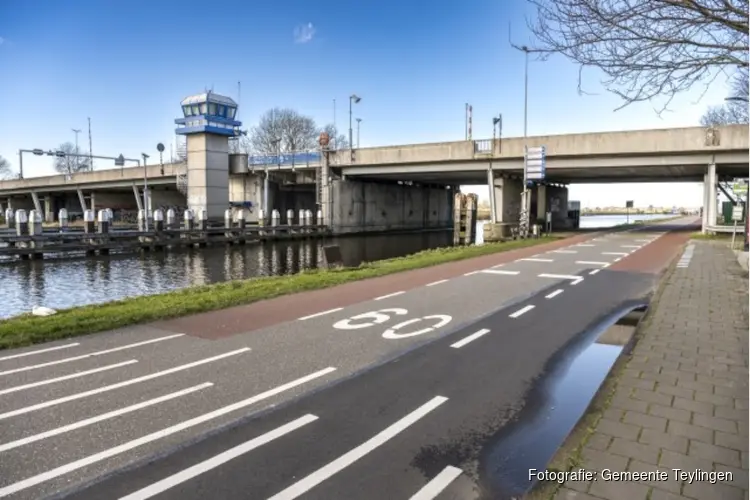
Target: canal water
[{"x": 80, "y": 281}]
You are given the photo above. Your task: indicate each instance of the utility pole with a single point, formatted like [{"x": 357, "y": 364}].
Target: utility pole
[
  {"x": 76, "y": 131},
  {"x": 91, "y": 149},
  {"x": 524, "y": 220}
]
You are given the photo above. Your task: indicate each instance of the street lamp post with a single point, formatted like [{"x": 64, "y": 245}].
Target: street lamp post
[
  {"x": 145, "y": 191},
  {"x": 497, "y": 123},
  {"x": 359, "y": 121},
  {"x": 525, "y": 192},
  {"x": 76, "y": 131},
  {"x": 353, "y": 99}
]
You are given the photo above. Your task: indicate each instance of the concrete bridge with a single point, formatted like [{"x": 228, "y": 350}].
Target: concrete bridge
[{"x": 359, "y": 177}]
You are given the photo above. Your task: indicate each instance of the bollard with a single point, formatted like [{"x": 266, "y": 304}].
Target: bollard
[
  {"x": 171, "y": 219},
  {"x": 35, "y": 223},
  {"x": 88, "y": 221},
  {"x": 203, "y": 219},
  {"x": 9, "y": 217},
  {"x": 301, "y": 219},
  {"x": 241, "y": 219},
  {"x": 141, "y": 220},
  {"x": 319, "y": 218},
  {"x": 275, "y": 219},
  {"x": 261, "y": 217},
  {"x": 188, "y": 218},
  {"x": 158, "y": 220},
  {"x": 308, "y": 220},
  {"x": 290, "y": 217},
  {"x": 103, "y": 217},
  {"x": 110, "y": 215},
  {"x": 22, "y": 223},
  {"x": 62, "y": 219},
  {"x": 228, "y": 218}
]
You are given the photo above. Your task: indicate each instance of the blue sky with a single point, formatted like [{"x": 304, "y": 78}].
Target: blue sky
[{"x": 127, "y": 65}]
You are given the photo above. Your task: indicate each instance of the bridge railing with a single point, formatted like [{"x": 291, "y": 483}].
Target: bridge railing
[{"x": 299, "y": 158}]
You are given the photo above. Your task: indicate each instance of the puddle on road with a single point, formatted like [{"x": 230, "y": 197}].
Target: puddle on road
[{"x": 554, "y": 407}]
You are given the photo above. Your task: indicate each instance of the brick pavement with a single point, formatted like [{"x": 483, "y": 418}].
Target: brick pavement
[{"x": 682, "y": 400}]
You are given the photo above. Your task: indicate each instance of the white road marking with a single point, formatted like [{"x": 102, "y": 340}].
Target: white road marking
[
  {"x": 436, "y": 486},
  {"x": 320, "y": 475},
  {"x": 125, "y": 383},
  {"x": 66, "y": 377},
  {"x": 646, "y": 240},
  {"x": 303, "y": 318},
  {"x": 631, "y": 246},
  {"x": 564, "y": 251},
  {"x": 534, "y": 259},
  {"x": 595, "y": 271},
  {"x": 615, "y": 253},
  {"x": 394, "y": 294},
  {"x": 561, "y": 276},
  {"x": 618, "y": 259},
  {"x": 592, "y": 263},
  {"x": 470, "y": 273},
  {"x": 100, "y": 418},
  {"x": 98, "y": 457},
  {"x": 521, "y": 311},
  {"x": 40, "y": 351},
  {"x": 585, "y": 245},
  {"x": 470, "y": 338},
  {"x": 217, "y": 460},
  {"x": 500, "y": 271},
  {"x": 443, "y": 319},
  {"x": 436, "y": 282},
  {"x": 498, "y": 265},
  {"x": 554, "y": 294},
  {"x": 91, "y": 354}
]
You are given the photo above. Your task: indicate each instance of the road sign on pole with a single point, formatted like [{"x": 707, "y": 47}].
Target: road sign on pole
[{"x": 535, "y": 164}]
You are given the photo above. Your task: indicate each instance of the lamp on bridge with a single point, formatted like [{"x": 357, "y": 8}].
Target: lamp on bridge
[{"x": 208, "y": 121}]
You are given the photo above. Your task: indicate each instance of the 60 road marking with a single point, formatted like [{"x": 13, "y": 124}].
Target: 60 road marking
[{"x": 382, "y": 315}]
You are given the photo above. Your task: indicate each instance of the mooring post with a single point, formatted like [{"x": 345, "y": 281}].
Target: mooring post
[
  {"x": 203, "y": 226},
  {"x": 35, "y": 229},
  {"x": 241, "y": 225},
  {"x": 171, "y": 219},
  {"x": 275, "y": 218},
  {"x": 22, "y": 227},
  {"x": 289, "y": 220},
  {"x": 9, "y": 217},
  {"x": 103, "y": 217},
  {"x": 159, "y": 228},
  {"x": 301, "y": 220},
  {"x": 308, "y": 221},
  {"x": 319, "y": 220},
  {"x": 62, "y": 219}
]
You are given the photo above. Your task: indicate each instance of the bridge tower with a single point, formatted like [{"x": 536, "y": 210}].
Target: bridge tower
[{"x": 208, "y": 122}]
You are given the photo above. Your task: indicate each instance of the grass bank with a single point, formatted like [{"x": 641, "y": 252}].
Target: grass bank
[{"x": 27, "y": 329}]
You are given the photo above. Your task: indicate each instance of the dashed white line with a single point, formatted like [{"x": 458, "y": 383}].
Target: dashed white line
[
  {"x": 554, "y": 294},
  {"x": 521, "y": 311},
  {"x": 436, "y": 282},
  {"x": 592, "y": 263},
  {"x": 66, "y": 377},
  {"x": 631, "y": 246},
  {"x": 499, "y": 271},
  {"x": 317, "y": 477},
  {"x": 100, "y": 418},
  {"x": 125, "y": 383},
  {"x": 584, "y": 245},
  {"x": 323, "y": 313},
  {"x": 618, "y": 259},
  {"x": 436, "y": 486},
  {"x": 564, "y": 251},
  {"x": 40, "y": 351},
  {"x": 535, "y": 259},
  {"x": 615, "y": 253},
  {"x": 595, "y": 271},
  {"x": 91, "y": 354},
  {"x": 98, "y": 457},
  {"x": 470, "y": 273},
  {"x": 470, "y": 338},
  {"x": 387, "y": 296},
  {"x": 644, "y": 240},
  {"x": 217, "y": 460},
  {"x": 561, "y": 276}
]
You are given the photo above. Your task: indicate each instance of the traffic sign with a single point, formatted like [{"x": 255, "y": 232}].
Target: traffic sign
[
  {"x": 120, "y": 161},
  {"x": 535, "y": 163},
  {"x": 737, "y": 213},
  {"x": 629, "y": 204},
  {"x": 739, "y": 187}
]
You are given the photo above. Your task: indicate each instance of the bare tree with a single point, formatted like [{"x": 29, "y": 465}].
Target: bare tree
[
  {"x": 6, "y": 171},
  {"x": 646, "y": 48},
  {"x": 337, "y": 140},
  {"x": 283, "y": 131},
  {"x": 735, "y": 110},
  {"x": 67, "y": 164}
]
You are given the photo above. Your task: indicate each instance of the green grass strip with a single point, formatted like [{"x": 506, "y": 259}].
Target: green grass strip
[{"x": 27, "y": 329}]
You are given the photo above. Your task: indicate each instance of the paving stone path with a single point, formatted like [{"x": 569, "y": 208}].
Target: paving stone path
[{"x": 682, "y": 401}]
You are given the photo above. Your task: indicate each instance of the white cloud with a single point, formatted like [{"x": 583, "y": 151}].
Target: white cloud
[
  {"x": 2, "y": 40},
  {"x": 304, "y": 33}
]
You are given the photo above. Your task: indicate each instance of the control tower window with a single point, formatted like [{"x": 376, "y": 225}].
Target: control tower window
[
  {"x": 231, "y": 112},
  {"x": 212, "y": 109},
  {"x": 203, "y": 108}
]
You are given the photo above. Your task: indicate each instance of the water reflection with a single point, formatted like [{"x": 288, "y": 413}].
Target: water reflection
[{"x": 78, "y": 281}]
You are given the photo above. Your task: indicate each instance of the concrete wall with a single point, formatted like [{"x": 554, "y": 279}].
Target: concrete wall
[
  {"x": 676, "y": 140},
  {"x": 507, "y": 199},
  {"x": 208, "y": 174},
  {"x": 359, "y": 206}
]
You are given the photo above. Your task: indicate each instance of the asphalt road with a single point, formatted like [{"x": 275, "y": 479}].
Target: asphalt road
[{"x": 76, "y": 411}]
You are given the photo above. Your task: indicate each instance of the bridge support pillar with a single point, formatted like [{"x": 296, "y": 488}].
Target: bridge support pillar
[
  {"x": 709, "y": 198},
  {"x": 138, "y": 198},
  {"x": 49, "y": 210},
  {"x": 541, "y": 202},
  {"x": 37, "y": 203},
  {"x": 208, "y": 174}
]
